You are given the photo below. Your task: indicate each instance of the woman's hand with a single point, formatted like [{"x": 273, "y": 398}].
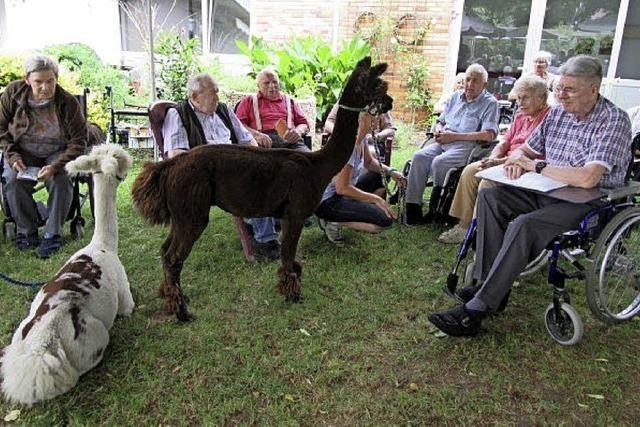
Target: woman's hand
[
  {"x": 18, "y": 165},
  {"x": 45, "y": 173},
  {"x": 490, "y": 162},
  {"x": 382, "y": 204},
  {"x": 398, "y": 177},
  {"x": 513, "y": 171}
]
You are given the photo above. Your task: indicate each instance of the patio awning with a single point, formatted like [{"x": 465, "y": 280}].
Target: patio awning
[{"x": 474, "y": 26}]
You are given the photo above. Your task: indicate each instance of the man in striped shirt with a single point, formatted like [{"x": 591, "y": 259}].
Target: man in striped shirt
[{"x": 585, "y": 141}]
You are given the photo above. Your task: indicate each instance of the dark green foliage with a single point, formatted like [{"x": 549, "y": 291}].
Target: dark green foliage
[{"x": 307, "y": 66}]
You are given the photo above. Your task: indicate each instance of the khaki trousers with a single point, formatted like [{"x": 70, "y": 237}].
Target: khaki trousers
[{"x": 463, "y": 205}]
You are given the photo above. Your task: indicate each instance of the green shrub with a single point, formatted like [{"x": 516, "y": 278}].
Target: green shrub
[
  {"x": 11, "y": 68},
  {"x": 90, "y": 72},
  {"x": 307, "y": 66},
  {"x": 177, "y": 60}
]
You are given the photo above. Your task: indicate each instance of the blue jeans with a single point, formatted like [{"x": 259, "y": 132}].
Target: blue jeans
[{"x": 263, "y": 229}]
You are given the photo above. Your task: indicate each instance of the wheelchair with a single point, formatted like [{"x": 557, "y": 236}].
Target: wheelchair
[
  {"x": 441, "y": 197},
  {"x": 80, "y": 196},
  {"x": 604, "y": 251}
]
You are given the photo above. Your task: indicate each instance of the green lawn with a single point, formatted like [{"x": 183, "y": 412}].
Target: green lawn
[{"x": 358, "y": 351}]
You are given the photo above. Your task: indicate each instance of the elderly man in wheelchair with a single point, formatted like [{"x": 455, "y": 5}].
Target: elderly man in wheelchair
[
  {"x": 470, "y": 115},
  {"x": 586, "y": 143}
]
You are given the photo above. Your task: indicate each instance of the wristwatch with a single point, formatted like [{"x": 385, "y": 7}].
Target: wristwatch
[{"x": 541, "y": 164}]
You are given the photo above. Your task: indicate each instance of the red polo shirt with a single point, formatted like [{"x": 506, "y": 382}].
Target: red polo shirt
[{"x": 270, "y": 112}]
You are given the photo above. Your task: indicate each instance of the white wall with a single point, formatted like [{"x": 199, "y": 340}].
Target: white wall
[{"x": 35, "y": 24}]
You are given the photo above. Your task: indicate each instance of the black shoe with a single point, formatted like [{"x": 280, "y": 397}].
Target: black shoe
[
  {"x": 49, "y": 246},
  {"x": 414, "y": 214},
  {"x": 25, "y": 242},
  {"x": 458, "y": 322},
  {"x": 268, "y": 251}
]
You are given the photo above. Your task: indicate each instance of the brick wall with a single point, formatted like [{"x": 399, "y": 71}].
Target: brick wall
[{"x": 278, "y": 20}]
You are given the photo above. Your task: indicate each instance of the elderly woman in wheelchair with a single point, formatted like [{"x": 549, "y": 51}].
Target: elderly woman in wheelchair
[
  {"x": 531, "y": 92},
  {"x": 41, "y": 129},
  {"x": 586, "y": 141}
]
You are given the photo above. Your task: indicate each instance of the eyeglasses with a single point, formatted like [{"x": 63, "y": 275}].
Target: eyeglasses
[{"x": 566, "y": 90}]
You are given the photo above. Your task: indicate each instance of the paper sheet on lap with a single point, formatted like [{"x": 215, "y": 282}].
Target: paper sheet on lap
[{"x": 529, "y": 180}]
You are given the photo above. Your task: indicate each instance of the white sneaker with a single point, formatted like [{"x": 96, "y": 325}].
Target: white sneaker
[
  {"x": 453, "y": 236},
  {"x": 332, "y": 230}
]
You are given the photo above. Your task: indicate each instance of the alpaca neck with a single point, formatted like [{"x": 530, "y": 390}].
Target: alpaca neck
[
  {"x": 336, "y": 153},
  {"x": 105, "y": 232}
]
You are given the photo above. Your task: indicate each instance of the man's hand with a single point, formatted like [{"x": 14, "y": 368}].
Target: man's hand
[
  {"x": 18, "y": 165},
  {"x": 382, "y": 204},
  {"x": 513, "y": 171},
  {"x": 45, "y": 173},
  {"x": 445, "y": 137},
  {"x": 292, "y": 135},
  {"x": 263, "y": 140},
  {"x": 521, "y": 161}
]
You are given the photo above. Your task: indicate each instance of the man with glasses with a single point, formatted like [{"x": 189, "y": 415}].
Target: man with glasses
[
  {"x": 585, "y": 141},
  {"x": 261, "y": 113}
]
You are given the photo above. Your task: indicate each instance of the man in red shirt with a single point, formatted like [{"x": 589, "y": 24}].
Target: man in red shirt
[{"x": 261, "y": 112}]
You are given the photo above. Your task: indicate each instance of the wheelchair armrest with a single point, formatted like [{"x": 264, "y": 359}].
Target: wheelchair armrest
[{"x": 630, "y": 189}]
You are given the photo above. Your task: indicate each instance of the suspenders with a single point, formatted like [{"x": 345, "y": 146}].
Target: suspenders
[{"x": 256, "y": 112}]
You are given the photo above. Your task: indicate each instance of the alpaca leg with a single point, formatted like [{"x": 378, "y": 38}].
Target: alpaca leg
[
  {"x": 290, "y": 273},
  {"x": 183, "y": 237}
]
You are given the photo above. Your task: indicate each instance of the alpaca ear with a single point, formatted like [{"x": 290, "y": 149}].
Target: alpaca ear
[
  {"x": 124, "y": 162},
  {"x": 364, "y": 62},
  {"x": 379, "y": 69},
  {"x": 82, "y": 165}
]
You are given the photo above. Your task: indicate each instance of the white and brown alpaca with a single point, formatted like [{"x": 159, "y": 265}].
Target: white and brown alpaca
[
  {"x": 67, "y": 329},
  {"x": 251, "y": 182}
]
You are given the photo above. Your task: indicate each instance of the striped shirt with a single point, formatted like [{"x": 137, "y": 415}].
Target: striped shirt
[{"x": 603, "y": 138}]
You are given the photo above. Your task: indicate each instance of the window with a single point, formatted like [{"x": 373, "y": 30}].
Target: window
[
  {"x": 628, "y": 58},
  {"x": 494, "y": 34},
  {"x": 229, "y": 21},
  {"x": 183, "y": 16},
  {"x": 573, "y": 27}
]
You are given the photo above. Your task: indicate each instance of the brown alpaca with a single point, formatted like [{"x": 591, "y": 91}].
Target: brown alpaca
[{"x": 251, "y": 182}]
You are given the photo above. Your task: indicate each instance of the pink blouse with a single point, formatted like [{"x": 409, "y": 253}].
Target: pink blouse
[{"x": 521, "y": 128}]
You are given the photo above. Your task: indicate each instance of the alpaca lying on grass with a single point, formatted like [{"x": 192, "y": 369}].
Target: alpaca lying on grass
[
  {"x": 67, "y": 329},
  {"x": 251, "y": 182}
]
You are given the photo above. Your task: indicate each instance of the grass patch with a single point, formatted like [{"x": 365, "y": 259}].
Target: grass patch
[{"x": 358, "y": 351}]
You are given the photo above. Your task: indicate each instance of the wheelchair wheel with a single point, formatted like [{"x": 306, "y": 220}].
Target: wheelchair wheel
[
  {"x": 566, "y": 328},
  {"x": 613, "y": 280},
  {"x": 9, "y": 230},
  {"x": 468, "y": 270},
  {"x": 536, "y": 264}
]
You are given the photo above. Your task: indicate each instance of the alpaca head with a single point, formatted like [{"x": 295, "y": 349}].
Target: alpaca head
[
  {"x": 109, "y": 159},
  {"x": 365, "y": 88}
]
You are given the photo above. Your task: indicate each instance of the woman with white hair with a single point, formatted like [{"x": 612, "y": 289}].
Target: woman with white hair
[
  {"x": 42, "y": 128},
  {"x": 541, "y": 63},
  {"x": 531, "y": 92}
]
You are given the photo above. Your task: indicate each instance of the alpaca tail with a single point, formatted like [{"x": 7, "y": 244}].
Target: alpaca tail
[
  {"x": 149, "y": 193},
  {"x": 30, "y": 375}
]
